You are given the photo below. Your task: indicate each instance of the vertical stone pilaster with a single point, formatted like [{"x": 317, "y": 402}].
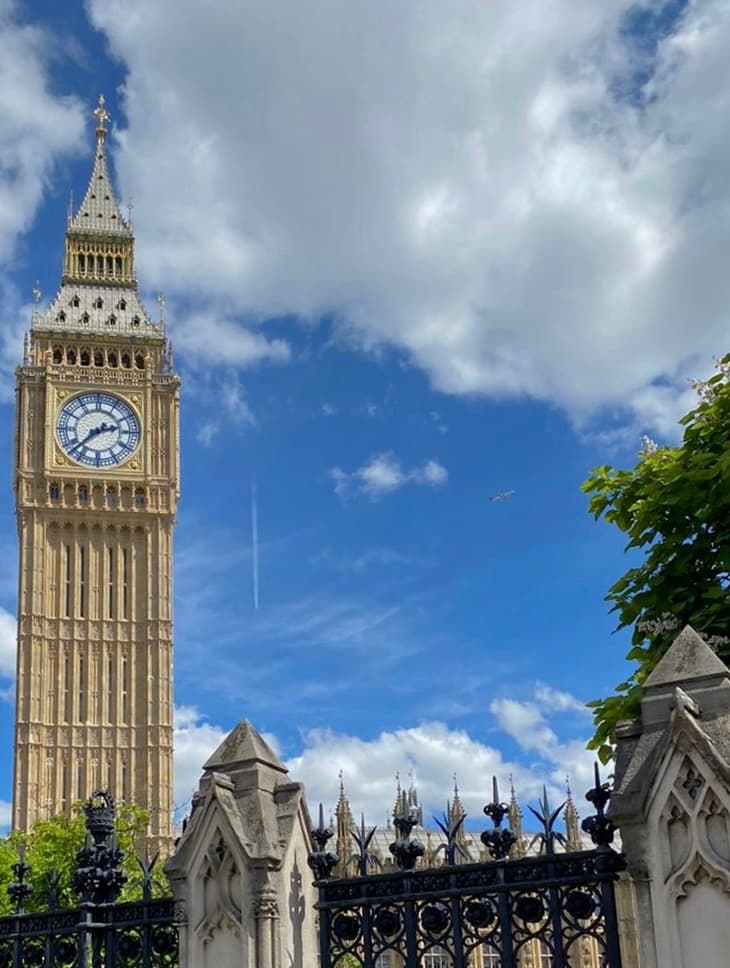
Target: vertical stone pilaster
[{"x": 266, "y": 913}]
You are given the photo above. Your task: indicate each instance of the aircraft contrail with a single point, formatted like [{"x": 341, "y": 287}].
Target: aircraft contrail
[{"x": 255, "y": 544}]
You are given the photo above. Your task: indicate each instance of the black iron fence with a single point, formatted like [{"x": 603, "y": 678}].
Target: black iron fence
[
  {"x": 100, "y": 932},
  {"x": 553, "y": 907}
]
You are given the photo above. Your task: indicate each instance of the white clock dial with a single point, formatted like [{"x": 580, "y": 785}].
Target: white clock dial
[{"x": 97, "y": 429}]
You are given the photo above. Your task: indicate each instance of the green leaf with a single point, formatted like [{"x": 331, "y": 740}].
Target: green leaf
[{"x": 674, "y": 504}]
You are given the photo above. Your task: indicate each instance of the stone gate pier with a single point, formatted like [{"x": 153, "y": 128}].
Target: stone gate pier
[
  {"x": 672, "y": 805},
  {"x": 239, "y": 875}
]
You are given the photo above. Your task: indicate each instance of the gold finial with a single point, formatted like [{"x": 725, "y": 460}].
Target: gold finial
[{"x": 102, "y": 116}]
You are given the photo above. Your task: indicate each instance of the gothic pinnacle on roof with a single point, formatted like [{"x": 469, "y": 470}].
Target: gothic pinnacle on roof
[
  {"x": 571, "y": 818},
  {"x": 99, "y": 213}
]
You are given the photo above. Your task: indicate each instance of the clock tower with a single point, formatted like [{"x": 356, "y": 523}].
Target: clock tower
[{"x": 96, "y": 486}]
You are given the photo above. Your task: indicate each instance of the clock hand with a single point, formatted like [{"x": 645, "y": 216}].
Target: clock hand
[{"x": 94, "y": 432}]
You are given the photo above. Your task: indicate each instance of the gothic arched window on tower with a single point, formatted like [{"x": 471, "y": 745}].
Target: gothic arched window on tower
[
  {"x": 110, "y": 582},
  {"x": 67, "y": 571},
  {"x": 122, "y": 304},
  {"x": 57, "y": 354},
  {"x": 83, "y": 492},
  {"x": 135, "y": 322},
  {"x": 112, "y": 321},
  {"x": 98, "y": 358},
  {"x": 61, "y": 317},
  {"x": 85, "y": 357},
  {"x": 139, "y": 497},
  {"x": 85, "y": 319},
  {"x": 82, "y": 584},
  {"x": 109, "y": 265},
  {"x": 125, "y": 582},
  {"x": 98, "y": 302},
  {"x": 139, "y": 361},
  {"x": 111, "y": 496},
  {"x": 118, "y": 266},
  {"x": 125, "y": 699},
  {"x": 71, "y": 356},
  {"x": 112, "y": 358},
  {"x": 54, "y": 491},
  {"x": 126, "y": 361},
  {"x": 82, "y": 263},
  {"x": 75, "y": 302}
]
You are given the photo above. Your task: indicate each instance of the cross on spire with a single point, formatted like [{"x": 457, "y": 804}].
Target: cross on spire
[{"x": 102, "y": 116}]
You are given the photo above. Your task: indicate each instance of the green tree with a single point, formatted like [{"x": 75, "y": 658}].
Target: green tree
[
  {"x": 675, "y": 506},
  {"x": 51, "y": 847}
]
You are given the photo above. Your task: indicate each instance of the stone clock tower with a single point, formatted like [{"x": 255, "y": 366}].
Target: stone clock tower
[{"x": 96, "y": 484}]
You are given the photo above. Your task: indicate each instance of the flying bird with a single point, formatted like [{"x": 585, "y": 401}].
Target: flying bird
[{"x": 502, "y": 496}]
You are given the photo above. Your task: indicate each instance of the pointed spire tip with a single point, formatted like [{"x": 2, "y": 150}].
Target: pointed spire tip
[{"x": 102, "y": 116}]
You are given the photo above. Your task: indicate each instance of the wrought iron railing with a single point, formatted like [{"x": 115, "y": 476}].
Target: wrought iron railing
[
  {"x": 100, "y": 932},
  {"x": 555, "y": 902}
]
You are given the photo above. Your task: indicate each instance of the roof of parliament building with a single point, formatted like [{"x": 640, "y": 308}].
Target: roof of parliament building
[{"x": 470, "y": 849}]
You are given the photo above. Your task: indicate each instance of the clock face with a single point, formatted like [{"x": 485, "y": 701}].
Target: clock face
[{"x": 97, "y": 429}]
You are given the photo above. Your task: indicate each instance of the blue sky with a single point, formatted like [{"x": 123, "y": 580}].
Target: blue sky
[{"x": 410, "y": 262}]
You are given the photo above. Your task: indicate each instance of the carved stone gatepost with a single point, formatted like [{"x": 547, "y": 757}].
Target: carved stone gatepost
[
  {"x": 672, "y": 806},
  {"x": 239, "y": 874}
]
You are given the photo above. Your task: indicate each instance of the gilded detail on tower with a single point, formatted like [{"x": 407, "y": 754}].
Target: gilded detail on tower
[{"x": 96, "y": 483}]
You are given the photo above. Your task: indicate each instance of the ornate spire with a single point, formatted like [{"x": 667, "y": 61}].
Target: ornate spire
[
  {"x": 514, "y": 813},
  {"x": 572, "y": 820},
  {"x": 398, "y": 806},
  {"x": 98, "y": 292},
  {"x": 345, "y": 823},
  {"x": 99, "y": 213},
  {"x": 457, "y": 812},
  {"x": 414, "y": 807}
]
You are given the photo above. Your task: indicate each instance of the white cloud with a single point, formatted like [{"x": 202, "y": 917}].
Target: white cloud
[
  {"x": 6, "y": 813},
  {"x": 8, "y": 644},
  {"x": 438, "y": 422},
  {"x": 524, "y": 722},
  {"x": 431, "y": 473},
  {"x": 207, "y": 337},
  {"x": 556, "y": 700},
  {"x": 370, "y": 558},
  {"x": 434, "y": 752},
  {"x": 383, "y": 474},
  {"x": 195, "y": 739},
  {"x": 207, "y": 431},
  {"x": 234, "y": 401},
  {"x": 465, "y": 183},
  {"x": 37, "y": 129},
  {"x": 228, "y": 397}
]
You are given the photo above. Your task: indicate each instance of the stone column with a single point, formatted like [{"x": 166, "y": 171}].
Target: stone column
[
  {"x": 266, "y": 912},
  {"x": 672, "y": 806}
]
